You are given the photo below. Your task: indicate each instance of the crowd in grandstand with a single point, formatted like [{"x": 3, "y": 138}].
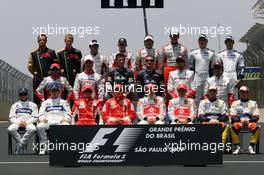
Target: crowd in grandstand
[{"x": 152, "y": 86}]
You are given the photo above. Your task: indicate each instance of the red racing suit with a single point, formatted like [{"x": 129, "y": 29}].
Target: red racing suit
[
  {"x": 86, "y": 110},
  {"x": 118, "y": 111}
]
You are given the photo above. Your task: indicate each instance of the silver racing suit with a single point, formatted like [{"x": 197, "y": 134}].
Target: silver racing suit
[
  {"x": 201, "y": 61},
  {"x": 233, "y": 62}
]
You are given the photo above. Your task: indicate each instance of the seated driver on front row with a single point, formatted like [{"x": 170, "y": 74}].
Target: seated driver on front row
[
  {"x": 214, "y": 111},
  {"x": 182, "y": 110},
  {"x": 53, "y": 111},
  {"x": 118, "y": 110},
  {"x": 151, "y": 108},
  {"x": 244, "y": 112}
]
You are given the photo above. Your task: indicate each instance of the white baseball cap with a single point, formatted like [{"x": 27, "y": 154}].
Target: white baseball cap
[
  {"x": 88, "y": 57},
  {"x": 243, "y": 88},
  {"x": 174, "y": 32},
  {"x": 212, "y": 87},
  {"x": 93, "y": 42},
  {"x": 149, "y": 37}
]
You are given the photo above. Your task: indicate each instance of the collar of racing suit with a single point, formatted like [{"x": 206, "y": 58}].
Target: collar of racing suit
[
  {"x": 175, "y": 45},
  {"x": 218, "y": 77},
  {"x": 93, "y": 54},
  {"x": 244, "y": 100},
  {"x": 54, "y": 99},
  {"x": 23, "y": 102},
  {"x": 231, "y": 50},
  {"x": 55, "y": 76},
  {"x": 119, "y": 98},
  {"x": 150, "y": 71},
  {"x": 43, "y": 50},
  {"x": 89, "y": 72},
  {"x": 88, "y": 99},
  {"x": 212, "y": 100},
  {"x": 202, "y": 49},
  {"x": 120, "y": 69},
  {"x": 68, "y": 49}
]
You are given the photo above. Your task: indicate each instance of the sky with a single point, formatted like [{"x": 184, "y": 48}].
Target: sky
[{"x": 21, "y": 21}]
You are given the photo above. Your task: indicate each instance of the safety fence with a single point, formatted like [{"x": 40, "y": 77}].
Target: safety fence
[
  {"x": 11, "y": 80},
  {"x": 256, "y": 86}
]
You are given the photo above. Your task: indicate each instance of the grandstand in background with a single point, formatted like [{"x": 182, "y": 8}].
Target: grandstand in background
[
  {"x": 11, "y": 80},
  {"x": 254, "y": 54}
]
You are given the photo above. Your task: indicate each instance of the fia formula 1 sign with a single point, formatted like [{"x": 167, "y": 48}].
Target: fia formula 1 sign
[{"x": 135, "y": 145}]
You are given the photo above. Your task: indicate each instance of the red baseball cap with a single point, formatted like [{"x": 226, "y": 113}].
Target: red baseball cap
[
  {"x": 182, "y": 86},
  {"x": 85, "y": 88},
  {"x": 118, "y": 87},
  {"x": 55, "y": 65}
]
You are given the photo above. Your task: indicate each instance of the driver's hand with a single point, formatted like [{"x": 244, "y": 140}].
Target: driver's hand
[
  {"x": 151, "y": 120},
  {"x": 63, "y": 121}
]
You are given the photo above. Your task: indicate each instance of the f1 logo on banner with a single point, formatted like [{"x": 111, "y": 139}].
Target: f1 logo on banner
[{"x": 136, "y": 145}]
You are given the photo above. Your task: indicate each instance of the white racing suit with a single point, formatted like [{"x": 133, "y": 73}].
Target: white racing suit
[
  {"x": 129, "y": 60},
  {"x": 216, "y": 112},
  {"x": 43, "y": 87},
  {"x": 151, "y": 107},
  {"x": 170, "y": 52},
  {"x": 168, "y": 56},
  {"x": 225, "y": 88},
  {"x": 140, "y": 58},
  {"x": 181, "y": 109},
  {"x": 93, "y": 80},
  {"x": 201, "y": 62},
  {"x": 23, "y": 112},
  {"x": 177, "y": 77},
  {"x": 54, "y": 111},
  {"x": 233, "y": 62}
]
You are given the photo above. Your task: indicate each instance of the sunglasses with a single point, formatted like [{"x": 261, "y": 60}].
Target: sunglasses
[
  {"x": 180, "y": 61},
  {"x": 150, "y": 60},
  {"x": 212, "y": 90},
  {"x": 88, "y": 91},
  {"x": 21, "y": 95}
]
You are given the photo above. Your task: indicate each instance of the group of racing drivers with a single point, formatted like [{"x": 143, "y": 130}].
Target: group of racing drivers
[{"x": 152, "y": 86}]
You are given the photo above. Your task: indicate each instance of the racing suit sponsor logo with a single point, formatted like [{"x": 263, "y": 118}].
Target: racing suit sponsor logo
[
  {"x": 54, "y": 108},
  {"x": 24, "y": 111}
]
